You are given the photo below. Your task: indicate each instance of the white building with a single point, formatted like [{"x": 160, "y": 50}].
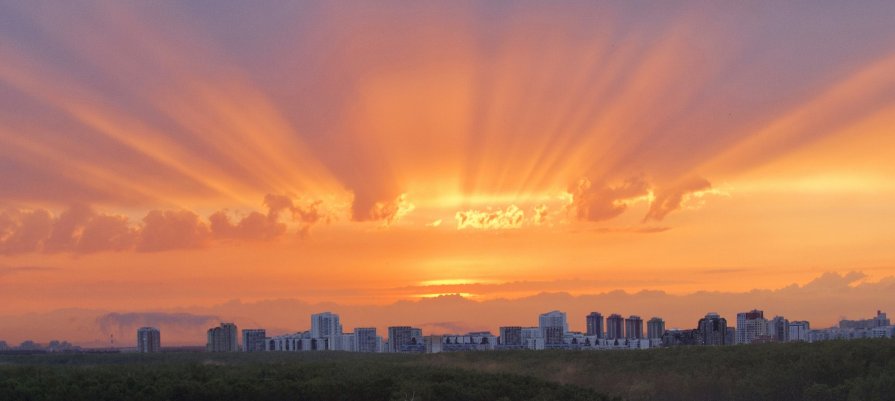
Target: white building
[
  {"x": 326, "y": 325},
  {"x": 532, "y": 338},
  {"x": 751, "y": 327},
  {"x": 553, "y": 326}
]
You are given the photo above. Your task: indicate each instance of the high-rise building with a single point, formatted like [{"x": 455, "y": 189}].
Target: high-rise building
[
  {"x": 325, "y": 325},
  {"x": 223, "y": 338},
  {"x": 511, "y": 336},
  {"x": 655, "y": 327},
  {"x": 366, "y": 339},
  {"x": 634, "y": 327},
  {"x": 798, "y": 330},
  {"x": 778, "y": 329},
  {"x": 712, "y": 330},
  {"x": 595, "y": 324},
  {"x": 405, "y": 339},
  {"x": 253, "y": 340},
  {"x": 553, "y": 319},
  {"x": 148, "y": 339},
  {"x": 751, "y": 327},
  {"x": 615, "y": 326}
]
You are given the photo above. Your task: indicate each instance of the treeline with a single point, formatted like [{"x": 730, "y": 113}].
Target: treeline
[
  {"x": 832, "y": 370},
  {"x": 293, "y": 376}
]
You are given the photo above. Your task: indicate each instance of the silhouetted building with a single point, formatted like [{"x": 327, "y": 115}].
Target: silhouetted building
[
  {"x": 634, "y": 327},
  {"x": 223, "y": 338},
  {"x": 595, "y": 324},
  {"x": 615, "y": 326},
  {"x": 366, "y": 339},
  {"x": 253, "y": 340},
  {"x": 148, "y": 340},
  {"x": 655, "y": 328},
  {"x": 712, "y": 330}
]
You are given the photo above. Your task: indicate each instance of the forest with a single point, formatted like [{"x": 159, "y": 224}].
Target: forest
[{"x": 834, "y": 370}]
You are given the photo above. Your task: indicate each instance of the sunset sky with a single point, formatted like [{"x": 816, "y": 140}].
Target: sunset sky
[{"x": 363, "y": 157}]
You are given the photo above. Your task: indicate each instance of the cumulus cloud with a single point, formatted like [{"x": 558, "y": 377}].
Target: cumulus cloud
[
  {"x": 81, "y": 229},
  {"x": 172, "y": 229},
  {"x": 598, "y": 202},
  {"x": 540, "y": 215},
  {"x": 24, "y": 231},
  {"x": 671, "y": 199},
  {"x": 500, "y": 219},
  {"x": 392, "y": 211}
]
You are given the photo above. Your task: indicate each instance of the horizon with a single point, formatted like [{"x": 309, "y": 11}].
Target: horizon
[{"x": 446, "y": 165}]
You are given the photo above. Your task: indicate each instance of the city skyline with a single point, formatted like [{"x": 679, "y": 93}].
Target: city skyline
[{"x": 451, "y": 165}]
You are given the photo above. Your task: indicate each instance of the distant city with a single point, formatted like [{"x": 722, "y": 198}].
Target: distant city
[{"x": 610, "y": 333}]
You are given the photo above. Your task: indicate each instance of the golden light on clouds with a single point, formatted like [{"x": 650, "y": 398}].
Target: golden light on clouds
[{"x": 374, "y": 153}]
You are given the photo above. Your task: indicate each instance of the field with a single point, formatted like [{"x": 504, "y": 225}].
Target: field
[{"x": 836, "y": 370}]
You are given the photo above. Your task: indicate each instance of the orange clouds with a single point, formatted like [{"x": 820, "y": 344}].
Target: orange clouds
[{"x": 80, "y": 229}]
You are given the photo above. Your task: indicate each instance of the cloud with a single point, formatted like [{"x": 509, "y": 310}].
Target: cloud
[
  {"x": 391, "y": 211},
  {"x": 7, "y": 270},
  {"x": 510, "y": 218},
  {"x": 165, "y": 230},
  {"x": 254, "y": 226},
  {"x": 24, "y": 231},
  {"x": 173, "y": 326},
  {"x": 671, "y": 199},
  {"x": 540, "y": 215},
  {"x": 593, "y": 202}
]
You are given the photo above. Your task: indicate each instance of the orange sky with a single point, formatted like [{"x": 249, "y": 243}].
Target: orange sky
[{"x": 161, "y": 157}]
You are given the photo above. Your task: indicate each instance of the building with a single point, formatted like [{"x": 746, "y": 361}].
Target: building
[
  {"x": 295, "y": 342},
  {"x": 253, "y": 340},
  {"x": 879, "y": 321},
  {"x": 405, "y": 339},
  {"x": 595, "y": 324},
  {"x": 366, "y": 339},
  {"x": 554, "y": 322},
  {"x": 223, "y": 338},
  {"x": 326, "y": 325},
  {"x": 655, "y": 327},
  {"x": 712, "y": 330},
  {"x": 615, "y": 327},
  {"x": 634, "y": 327},
  {"x": 148, "y": 340},
  {"x": 798, "y": 331},
  {"x": 532, "y": 338},
  {"x": 751, "y": 327},
  {"x": 778, "y": 329},
  {"x": 511, "y": 337},
  {"x": 675, "y": 337}
]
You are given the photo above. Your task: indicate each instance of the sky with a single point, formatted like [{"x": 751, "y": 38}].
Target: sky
[{"x": 461, "y": 165}]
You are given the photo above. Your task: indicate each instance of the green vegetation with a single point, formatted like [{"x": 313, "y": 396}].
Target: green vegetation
[
  {"x": 268, "y": 376},
  {"x": 835, "y": 370}
]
